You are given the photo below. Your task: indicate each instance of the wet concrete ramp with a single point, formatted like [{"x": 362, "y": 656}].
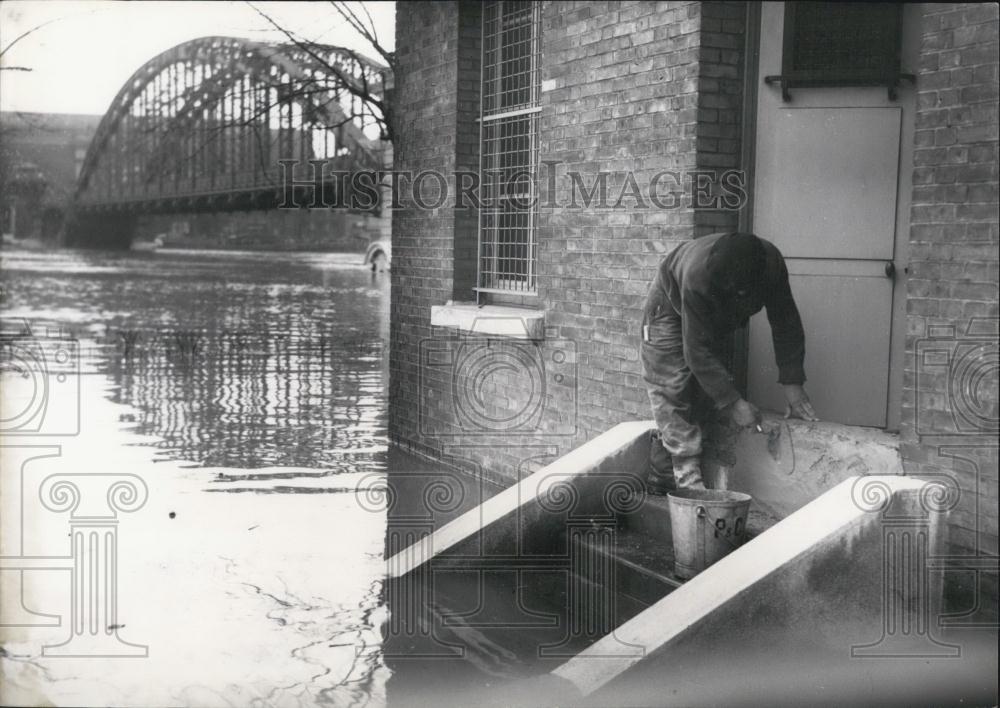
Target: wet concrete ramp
[{"x": 560, "y": 591}]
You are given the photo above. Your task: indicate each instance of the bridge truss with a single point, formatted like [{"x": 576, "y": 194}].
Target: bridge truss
[{"x": 205, "y": 125}]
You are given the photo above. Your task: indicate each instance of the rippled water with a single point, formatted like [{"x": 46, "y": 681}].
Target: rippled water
[
  {"x": 231, "y": 359},
  {"x": 262, "y": 375}
]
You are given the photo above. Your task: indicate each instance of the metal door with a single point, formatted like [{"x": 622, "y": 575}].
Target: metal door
[{"x": 832, "y": 179}]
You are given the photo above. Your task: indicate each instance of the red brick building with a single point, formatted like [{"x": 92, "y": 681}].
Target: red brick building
[{"x": 860, "y": 139}]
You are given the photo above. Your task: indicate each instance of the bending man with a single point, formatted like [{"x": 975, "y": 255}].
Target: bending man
[{"x": 703, "y": 291}]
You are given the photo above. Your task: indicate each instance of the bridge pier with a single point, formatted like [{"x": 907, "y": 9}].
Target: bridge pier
[{"x": 100, "y": 230}]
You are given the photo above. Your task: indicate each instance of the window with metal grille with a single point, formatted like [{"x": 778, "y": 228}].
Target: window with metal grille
[
  {"x": 841, "y": 41},
  {"x": 508, "y": 142},
  {"x": 841, "y": 44}
]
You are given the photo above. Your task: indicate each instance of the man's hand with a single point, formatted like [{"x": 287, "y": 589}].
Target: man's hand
[
  {"x": 745, "y": 414},
  {"x": 797, "y": 403}
]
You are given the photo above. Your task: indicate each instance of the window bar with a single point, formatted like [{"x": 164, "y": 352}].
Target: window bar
[
  {"x": 508, "y": 127},
  {"x": 532, "y": 148},
  {"x": 482, "y": 182}
]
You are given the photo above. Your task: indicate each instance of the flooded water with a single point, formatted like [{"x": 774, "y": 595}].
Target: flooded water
[
  {"x": 243, "y": 398},
  {"x": 230, "y": 359}
]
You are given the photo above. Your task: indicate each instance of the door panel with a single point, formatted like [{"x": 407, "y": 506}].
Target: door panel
[
  {"x": 831, "y": 186},
  {"x": 846, "y": 367},
  {"x": 833, "y": 174}
]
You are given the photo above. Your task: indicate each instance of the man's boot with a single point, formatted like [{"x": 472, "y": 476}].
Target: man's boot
[
  {"x": 660, "y": 480},
  {"x": 687, "y": 472}
]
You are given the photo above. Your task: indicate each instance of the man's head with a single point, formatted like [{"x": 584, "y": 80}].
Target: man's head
[{"x": 736, "y": 264}]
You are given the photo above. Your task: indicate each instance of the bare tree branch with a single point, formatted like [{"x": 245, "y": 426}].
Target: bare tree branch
[
  {"x": 303, "y": 98},
  {"x": 27, "y": 33},
  {"x": 360, "y": 86},
  {"x": 368, "y": 33}
]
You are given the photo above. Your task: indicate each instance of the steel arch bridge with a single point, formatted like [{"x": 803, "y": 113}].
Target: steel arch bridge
[{"x": 205, "y": 125}]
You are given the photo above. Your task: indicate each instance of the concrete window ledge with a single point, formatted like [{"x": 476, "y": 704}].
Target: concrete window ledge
[{"x": 490, "y": 320}]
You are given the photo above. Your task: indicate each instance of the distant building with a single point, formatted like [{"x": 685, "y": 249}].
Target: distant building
[
  {"x": 40, "y": 158},
  {"x": 860, "y": 139}
]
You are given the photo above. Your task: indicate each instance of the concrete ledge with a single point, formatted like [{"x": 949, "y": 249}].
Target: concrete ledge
[
  {"x": 490, "y": 320},
  {"x": 541, "y": 499},
  {"x": 783, "y": 472},
  {"x": 789, "y": 465},
  {"x": 795, "y": 461}
]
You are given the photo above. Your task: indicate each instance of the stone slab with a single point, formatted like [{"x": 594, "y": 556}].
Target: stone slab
[{"x": 490, "y": 320}]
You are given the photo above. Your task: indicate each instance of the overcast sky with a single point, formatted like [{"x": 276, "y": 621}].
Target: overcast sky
[{"x": 89, "y": 48}]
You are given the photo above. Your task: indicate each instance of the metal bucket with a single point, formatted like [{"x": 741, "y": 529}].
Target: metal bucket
[{"x": 707, "y": 524}]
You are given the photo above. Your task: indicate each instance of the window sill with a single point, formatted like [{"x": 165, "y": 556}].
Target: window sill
[{"x": 490, "y": 320}]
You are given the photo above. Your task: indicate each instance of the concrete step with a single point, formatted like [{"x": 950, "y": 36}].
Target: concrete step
[
  {"x": 643, "y": 568},
  {"x": 526, "y": 616},
  {"x": 510, "y": 623},
  {"x": 803, "y": 601}
]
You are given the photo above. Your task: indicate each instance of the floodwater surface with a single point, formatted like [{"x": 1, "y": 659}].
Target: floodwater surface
[{"x": 241, "y": 399}]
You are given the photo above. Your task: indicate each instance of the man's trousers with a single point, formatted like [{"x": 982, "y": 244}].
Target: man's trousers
[{"x": 680, "y": 406}]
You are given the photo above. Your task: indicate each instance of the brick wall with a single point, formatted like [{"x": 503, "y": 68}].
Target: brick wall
[
  {"x": 435, "y": 122},
  {"x": 720, "y": 102},
  {"x": 949, "y": 412},
  {"x": 641, "y": 88},
  {"x": 627, "y": 88}
]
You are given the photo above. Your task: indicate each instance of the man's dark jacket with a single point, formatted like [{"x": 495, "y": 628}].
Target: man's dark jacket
[{"x": 715, "y": 283}]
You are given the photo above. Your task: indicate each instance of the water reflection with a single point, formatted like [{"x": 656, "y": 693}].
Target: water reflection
[
  {"x": 228, "y": 359},
  {"x": 246, "y": 398},
  {"x": 261, "y": 375}
]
